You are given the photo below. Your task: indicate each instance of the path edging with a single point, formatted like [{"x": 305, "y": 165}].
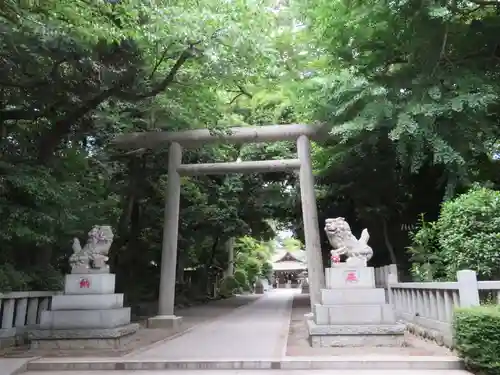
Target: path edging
[{"x": 303, "y": 363}]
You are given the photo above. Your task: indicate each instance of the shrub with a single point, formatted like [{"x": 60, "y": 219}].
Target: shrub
[
  {"x": 477, "y": 338},
  {"x": 241, "y": 277},
  {"x": 469, "y": 233},
  {"x": 46, "y": 278},
  {"x": 227, "y": 286},
  {"x": 12, "y": 280},
  {"x": 425, "y": 253},
  {"x": 267, "y": 270},
  {"x": 253, "y": 268}
]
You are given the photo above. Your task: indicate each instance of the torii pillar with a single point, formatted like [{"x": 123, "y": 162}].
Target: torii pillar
[
  {"x": 315, "y": 270},
  {"x": 166, "y": 317}
]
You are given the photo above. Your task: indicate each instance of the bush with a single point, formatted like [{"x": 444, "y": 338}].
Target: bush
[
  {"x": 425, "y": 253},
  {"x": 477, "y": 338},
  {"x": 469, "y": 233},
  {"x": 227, "y": 286},
  {"x": 267, "y": 270},
  {"x": 12, "y": 280},
  {"x": 241, "y": 277},
  {"x": 253, "y": 269},
  {"x": 46, "y": 279}
]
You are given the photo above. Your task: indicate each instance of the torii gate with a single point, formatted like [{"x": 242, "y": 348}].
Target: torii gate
[{"x": 300, "y": 133}]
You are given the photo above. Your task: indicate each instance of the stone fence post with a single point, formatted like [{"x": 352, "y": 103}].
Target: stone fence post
[
  {"x": 392, "y": 278},
  {"x": 468, "y": 291}
]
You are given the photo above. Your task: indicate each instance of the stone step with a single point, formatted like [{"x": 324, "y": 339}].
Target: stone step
[
  {"x": 354, "y": 314},
  {"x": 353, "y": 296},
  {"x": 347, "y": 329},
  {"x": 85, "y": 319},
  {"x": 82, "y": 339},
  {"x": 87, "y": 302},
  {"x": 344, "y": 335},
  {"x": 270, "y": 372},
  {"x": 286, "y": 363}
]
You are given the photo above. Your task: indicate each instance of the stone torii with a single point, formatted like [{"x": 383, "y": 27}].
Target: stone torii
[{"x": 302, "y": 134}]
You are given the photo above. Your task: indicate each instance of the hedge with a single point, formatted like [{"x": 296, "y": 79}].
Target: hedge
[{"x": 477, "y": 338}]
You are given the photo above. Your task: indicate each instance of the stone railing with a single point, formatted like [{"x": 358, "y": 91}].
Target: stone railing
[
  {"x": 427, "y": 307},
  {"x": 382, "y": 274},
  {"x": 21, "y": 311}
]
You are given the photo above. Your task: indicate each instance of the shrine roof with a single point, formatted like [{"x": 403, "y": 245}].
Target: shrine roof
[
  {"x": 285, "y": 260},
  {"x": 285, "y": 255},
  {"x": 289, "y": 266}
]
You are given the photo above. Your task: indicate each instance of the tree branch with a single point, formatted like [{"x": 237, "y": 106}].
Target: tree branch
[
  {"x": 241, "y": 91},
  {"x": 163, "y": 84},
  {"x": 160, "y": 60}
]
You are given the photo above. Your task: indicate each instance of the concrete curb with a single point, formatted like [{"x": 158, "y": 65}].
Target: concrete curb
[
  {"x": 297, "y": 363},
  {"x": 15, "y": 369}
]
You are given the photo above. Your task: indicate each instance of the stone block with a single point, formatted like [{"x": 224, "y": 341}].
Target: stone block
[
  {"x": 354, "y": 314},
  {"x": 356, "y": 329},
  {"x": 356, "y": 335},
  {"x": 321, "y": 315},
  {"x": 89, "y": 284},
  {"x": 166, "y": 321},
  {"x": 357, "y": 341},
  {"x": 87, "y": 302},
  {"x": 350, "y": 277},
  {"x": 352, "y": 296},
  {"x": 108, "y": 338},
  {"x": 81, "y": 319}
]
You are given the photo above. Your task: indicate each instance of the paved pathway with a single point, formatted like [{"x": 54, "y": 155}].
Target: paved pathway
[{"x": 255, "y": 331}]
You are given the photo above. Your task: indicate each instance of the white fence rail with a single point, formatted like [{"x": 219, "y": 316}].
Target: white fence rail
[
  {"x": 21, "y": 311},
  {"x": 428, "y": 306}
]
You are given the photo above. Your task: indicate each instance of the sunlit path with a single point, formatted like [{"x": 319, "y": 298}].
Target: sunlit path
[{"x": 255, "y": 331}]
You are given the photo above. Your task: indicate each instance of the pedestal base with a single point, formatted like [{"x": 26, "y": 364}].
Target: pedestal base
[
  {"x": 355, "y": 335},
  {"x": 166, "y": 321},
  {"x": 109, "y": 338},
  {"x": 85, "y": 319}
]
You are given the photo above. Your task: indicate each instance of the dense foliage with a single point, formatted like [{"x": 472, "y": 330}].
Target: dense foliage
[
  {"x": 408, "y": 91},
  {"x": 466, "y": 236},
  {"x": 477, "y": 338},
  {"x": 73, "y": 75}
]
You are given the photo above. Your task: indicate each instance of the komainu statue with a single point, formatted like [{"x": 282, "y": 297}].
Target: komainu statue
[
  {"x": 343, "y": 242},
  {"x": 94, "y": 255}
]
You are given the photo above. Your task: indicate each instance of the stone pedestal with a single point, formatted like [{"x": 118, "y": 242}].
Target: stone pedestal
[
  {"x": 89, "y": 315},
  {"x": 352, "y": 312},
  {"x": 171, "y": 322}
]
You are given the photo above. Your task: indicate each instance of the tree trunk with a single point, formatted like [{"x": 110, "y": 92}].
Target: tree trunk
[
  {"x": 388, "y": 243},
  {"x": 208, "y": 266}
]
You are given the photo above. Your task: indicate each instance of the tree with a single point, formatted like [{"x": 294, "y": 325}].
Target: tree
[
  {"x": 410, "y": 92},
  {"x": 73, "y": 75}
]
